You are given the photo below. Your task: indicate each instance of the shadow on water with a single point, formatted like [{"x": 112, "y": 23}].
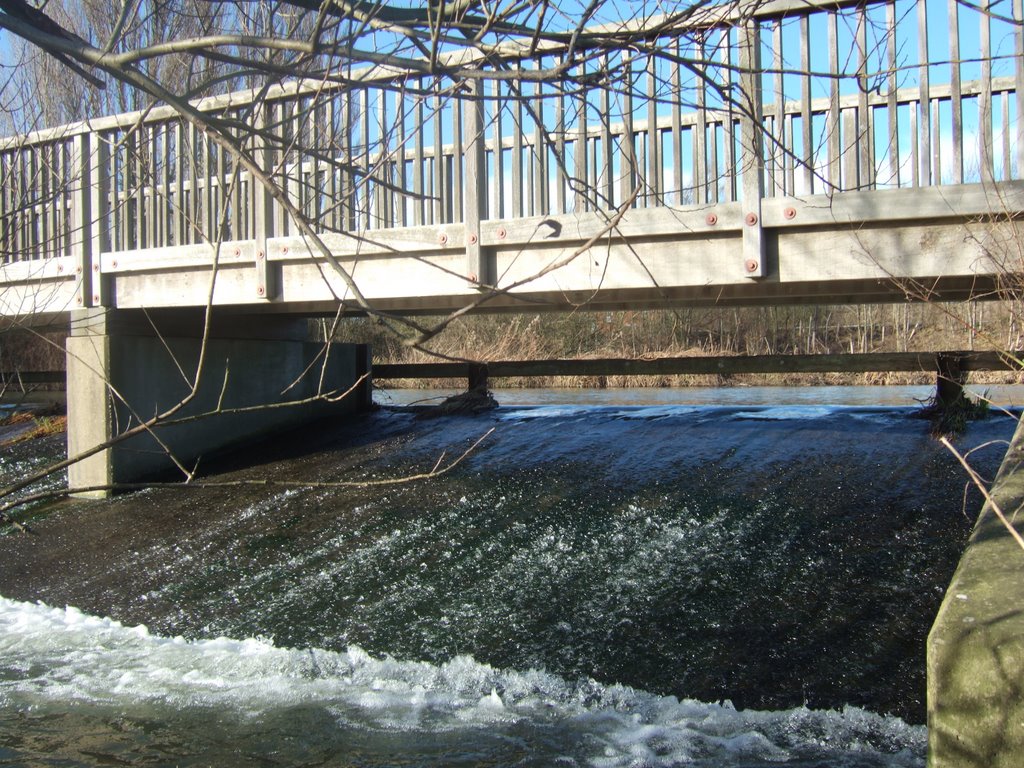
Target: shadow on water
[{"x": 774, "y": 557}]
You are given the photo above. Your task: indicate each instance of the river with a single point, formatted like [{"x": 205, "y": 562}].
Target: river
[{"x": 597, "y": 584}]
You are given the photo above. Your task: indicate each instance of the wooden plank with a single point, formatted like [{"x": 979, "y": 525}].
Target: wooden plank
[{"x": 834, "y": 363}]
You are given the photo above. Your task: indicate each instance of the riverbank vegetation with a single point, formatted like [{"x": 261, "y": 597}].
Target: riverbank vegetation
[{"x": 710, "y": 331}]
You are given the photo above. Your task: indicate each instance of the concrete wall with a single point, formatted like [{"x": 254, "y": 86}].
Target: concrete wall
[
  {"x": 122, "y": 373},
  {"x": 976, "y": 646}
]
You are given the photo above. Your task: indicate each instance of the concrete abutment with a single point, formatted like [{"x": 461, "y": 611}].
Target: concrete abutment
[
  {"x": 976, "y": 645},
  {"x": 259, "y": 374}
]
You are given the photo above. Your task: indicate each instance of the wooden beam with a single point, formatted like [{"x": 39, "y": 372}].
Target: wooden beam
[{"x": 841, "y": 363}]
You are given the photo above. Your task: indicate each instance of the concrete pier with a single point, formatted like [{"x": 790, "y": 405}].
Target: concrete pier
[
  {"x": 976, "y": 646},
  {"x": 259, "y": 374}
]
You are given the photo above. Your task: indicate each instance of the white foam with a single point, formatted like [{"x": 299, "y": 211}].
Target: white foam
[{"x": 52, "y": 657}]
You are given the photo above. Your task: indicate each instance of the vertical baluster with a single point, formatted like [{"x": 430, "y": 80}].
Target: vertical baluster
[
  {"x": 865, "y": 135},
  {"x": 419, "y": 161},
  {"x": 834, "y": 133},
  {"x": 541, "y": 184},
  {"x": 181, "y": 169},
  {"x": 607, "y": 149},
  {"x": 583, "y": 192},
  {"x": 776, "y": 153},
  {"x": 561, "y": 170},
  {"x": 956, "y": 100},
  {"x": 498, "y": 153},
  {"x": 729, "y": 118},
  {"x": 518, "y": 158},
  {"x": 701, "y": 172},
  {"x": 381, "y": 176},
  {"x": 45, "y": 204},
  {"x": 32, "y": 200},
  {"x": 677, "y": 122},
  {"x": 627, "y": 155},
  {"x": 438, "y": 190},
  {"x": 1007, "y": 168},
  {"x": 806, "y": 113},
  {"x": 1018, "y": 82},
  {"x": 456, "y": 203},
  {"x": 141, "y": 184},
  {"x": 985, "y": 98},
  {"x": 655, "y": 172},
  {"x": 892, "y": 107},
  {"x": 925, "y": 100},
  {"x": 401, "y": 213}
]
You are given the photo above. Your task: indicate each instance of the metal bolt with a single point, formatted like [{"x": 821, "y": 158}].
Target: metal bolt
[
  {"x": 789, "y": 213},
  {"x": 259, "y": 254},
  {"x": 442, "y": 239},
  {"x": 238, "y": 251},
  {"x": 95, "y": 267},
  {"x": 284, "y": 249},
  {"x": 472, "y": 239},
  {"x": 260, "y": 290},
  {"x": 60, "y": 269},
  {"x": 752, "y": 265},
  {"x": 78, "y": 270},
  {"x": 502, "y": 234},
  {"x": 711, "y": 219},
  {"x": 472, "y": 277},
  {"x": 114, "y": 263},
  {"x": 78, "y": 301},
  {"x": 96, "y": 299},
  {"x": 751, "y": 220}
]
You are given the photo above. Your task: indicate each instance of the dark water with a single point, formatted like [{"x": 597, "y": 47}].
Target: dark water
[{"x": 570, "y": 594}]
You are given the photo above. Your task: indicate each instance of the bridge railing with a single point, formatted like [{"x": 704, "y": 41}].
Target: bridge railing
[{"x": 786, "y": 98}]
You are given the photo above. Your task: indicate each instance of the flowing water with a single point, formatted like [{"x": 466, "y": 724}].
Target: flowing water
[{"x": 593, "y": 585}]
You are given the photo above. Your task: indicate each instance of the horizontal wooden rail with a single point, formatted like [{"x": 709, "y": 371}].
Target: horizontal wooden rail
[
  {"x": 879, "y": 362},
  {"x": 18, "y": 378}
]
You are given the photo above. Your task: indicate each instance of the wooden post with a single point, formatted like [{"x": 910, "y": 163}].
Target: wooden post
[
  {"x": 950, "y": 379},
  {"x": 752, "y": 150},
  {"x": 475, "y": 188},
  {"x": 90, "y": 161},
  {"x": 477, "y": 377},
  {"x": 262, "y": 205}
]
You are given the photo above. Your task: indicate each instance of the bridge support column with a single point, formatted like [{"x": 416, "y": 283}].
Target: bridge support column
[
  {"x": 259, "y": 374},
  {"x": 976, "y": 646}
]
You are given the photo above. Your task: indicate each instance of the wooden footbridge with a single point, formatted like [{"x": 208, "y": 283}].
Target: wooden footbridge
[{"x": 787, "y": 151}]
